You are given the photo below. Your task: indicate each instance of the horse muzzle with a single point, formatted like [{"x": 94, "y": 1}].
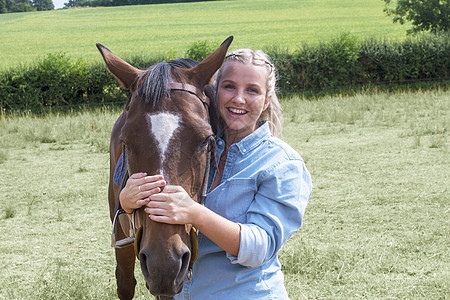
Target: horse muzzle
[
  {"x": 165, "y": 265},
  {"x": 165, "y": 274}
]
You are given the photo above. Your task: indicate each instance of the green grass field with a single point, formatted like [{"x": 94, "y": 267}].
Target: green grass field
[
  {"x": 169, "y": 29},
  {"x": 377, "y": 226}
]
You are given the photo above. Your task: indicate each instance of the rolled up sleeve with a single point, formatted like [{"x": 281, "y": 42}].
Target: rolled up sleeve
[{"x": 275, "y": 214}]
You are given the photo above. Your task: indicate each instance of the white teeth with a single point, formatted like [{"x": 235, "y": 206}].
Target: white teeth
[{"x": 237, "y": 111}]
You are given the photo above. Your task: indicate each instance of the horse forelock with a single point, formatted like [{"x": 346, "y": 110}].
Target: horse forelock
[{"x": 153, "y": 84}]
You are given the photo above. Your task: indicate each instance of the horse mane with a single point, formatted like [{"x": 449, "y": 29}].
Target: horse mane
[{"x": 155, "y": 80}]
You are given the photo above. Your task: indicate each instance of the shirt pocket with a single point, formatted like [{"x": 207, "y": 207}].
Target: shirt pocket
[{"x": 239, "y": 194}]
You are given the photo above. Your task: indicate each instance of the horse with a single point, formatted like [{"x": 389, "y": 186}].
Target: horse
[{"x": 166, "y": 129}]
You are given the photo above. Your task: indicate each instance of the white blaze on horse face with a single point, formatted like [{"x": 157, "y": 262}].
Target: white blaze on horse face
[{"x": 162, "y": 126}]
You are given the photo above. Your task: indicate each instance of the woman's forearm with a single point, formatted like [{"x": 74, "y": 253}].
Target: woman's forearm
[{"x": 223, "y": 232}]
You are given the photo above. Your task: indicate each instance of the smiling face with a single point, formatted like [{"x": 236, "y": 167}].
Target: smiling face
[{"x": 241, "y": 98}]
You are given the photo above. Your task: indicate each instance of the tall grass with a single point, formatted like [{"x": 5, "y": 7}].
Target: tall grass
[
  {"x": 376, "y": 226},
  {"x": 169, "y": 29},
  {"x": 60, "y": 129}
]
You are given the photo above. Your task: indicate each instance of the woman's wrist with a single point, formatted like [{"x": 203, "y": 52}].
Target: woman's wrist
[{"x": 197, "y": 215}]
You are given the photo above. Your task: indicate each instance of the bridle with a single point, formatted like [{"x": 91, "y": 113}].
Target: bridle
[
  {"x": 210, "y": 140},
  {"x": 135, "y": 234}
]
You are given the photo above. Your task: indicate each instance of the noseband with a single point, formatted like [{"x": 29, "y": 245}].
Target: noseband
[{"x": 135, "y": 234}]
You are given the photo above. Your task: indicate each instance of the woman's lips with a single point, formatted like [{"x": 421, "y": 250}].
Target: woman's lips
[{"x": 237, "y": 111}]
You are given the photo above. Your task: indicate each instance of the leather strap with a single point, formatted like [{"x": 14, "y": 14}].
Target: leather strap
[{"x": 178, "y": 86}]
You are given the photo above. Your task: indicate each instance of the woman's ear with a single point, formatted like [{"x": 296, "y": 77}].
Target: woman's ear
[{"x": 267, "y": 102}]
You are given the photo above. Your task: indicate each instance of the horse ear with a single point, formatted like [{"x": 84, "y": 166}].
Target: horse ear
[
  {"x": 124, "y": 73},
  {"x": 205, "y": 70}
]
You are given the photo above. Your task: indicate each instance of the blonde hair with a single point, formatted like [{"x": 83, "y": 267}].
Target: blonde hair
[{"x": 272, "y": 114}]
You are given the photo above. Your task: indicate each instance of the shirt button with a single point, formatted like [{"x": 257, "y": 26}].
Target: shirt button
[{"x": 220, "y": 142}]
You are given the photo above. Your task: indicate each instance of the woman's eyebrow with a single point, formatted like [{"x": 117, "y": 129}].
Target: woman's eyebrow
[
  {"x": 256, "y": 85},
  {"x": 228, "y": 80}
]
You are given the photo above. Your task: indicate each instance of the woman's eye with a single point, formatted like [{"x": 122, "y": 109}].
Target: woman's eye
[
  {"x": 253, "y": 91},
  {"x": 229, "y": 86}
]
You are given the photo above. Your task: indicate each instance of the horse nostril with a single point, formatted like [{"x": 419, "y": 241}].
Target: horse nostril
[
  {"x": 185, "y": 261},
  {"x": 143, "y": 260},
  {"x": 186, "y": 258}
]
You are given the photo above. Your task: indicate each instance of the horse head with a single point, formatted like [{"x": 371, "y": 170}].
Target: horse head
[{"x": 166, "y": 130}]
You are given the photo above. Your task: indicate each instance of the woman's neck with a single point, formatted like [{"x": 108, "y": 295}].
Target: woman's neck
[{"x": 232, "y": 136}]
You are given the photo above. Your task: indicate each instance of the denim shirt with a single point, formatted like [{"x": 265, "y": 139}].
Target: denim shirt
[{"x": 265, "y": 188}]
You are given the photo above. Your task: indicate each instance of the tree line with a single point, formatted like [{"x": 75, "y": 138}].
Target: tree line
[
  {"x": 8, "y": 6},
  {"x": 94, "y": 3}
]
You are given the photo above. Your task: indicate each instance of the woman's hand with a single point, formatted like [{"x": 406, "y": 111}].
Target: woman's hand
[
  {"x": 138, "y": 189},
  {"x": 173, "y": 205}
]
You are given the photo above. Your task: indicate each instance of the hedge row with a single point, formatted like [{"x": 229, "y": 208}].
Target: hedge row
[
  {"x": 345, "y": 62},
  {"x": 58, "y": 80}
]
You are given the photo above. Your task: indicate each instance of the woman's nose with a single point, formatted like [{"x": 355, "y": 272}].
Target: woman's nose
[{"x": 238, "y": 97}]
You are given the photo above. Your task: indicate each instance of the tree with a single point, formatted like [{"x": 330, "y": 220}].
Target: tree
[
  {"x": 7, "y": 6},
  {"x": 3, "y": 6},
  {"x": 20, "y": 6},
  {"x": 41, "y": 5},
  {"x": 425, "y": 15}
]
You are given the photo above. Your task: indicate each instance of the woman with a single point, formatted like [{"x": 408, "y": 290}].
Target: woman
[{"x": 256, "y": 198}]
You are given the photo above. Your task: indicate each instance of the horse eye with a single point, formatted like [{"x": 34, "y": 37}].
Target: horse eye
[
  {"x": 206, "y": 142},
  {"x": 203, "y": 145}
]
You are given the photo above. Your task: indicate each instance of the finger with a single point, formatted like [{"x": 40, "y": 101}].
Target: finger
[
  {"x": 160, "y": 197},
  {"x": 142, "y": 202},
  {"x": 148, "y": 179},
  {"x": 148, "y": 193},
  {"x": 172, "y": 189},
  {"x": 138, "y": 175},
  {"x": 152, "y": 185},
  {"x": 161, "y": 219},
  {"x": 153, "y": 178},
  {"x": 156, "y": 211},
  {"x": 156, "y": 204}
]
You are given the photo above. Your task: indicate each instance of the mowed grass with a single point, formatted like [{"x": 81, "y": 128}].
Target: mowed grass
[
  {"x": 376, "y": 226},
  {"x": 169, "y": 29}
]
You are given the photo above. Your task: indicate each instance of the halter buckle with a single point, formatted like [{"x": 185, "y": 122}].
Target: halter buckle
[{"x": 189, "y": 275}]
